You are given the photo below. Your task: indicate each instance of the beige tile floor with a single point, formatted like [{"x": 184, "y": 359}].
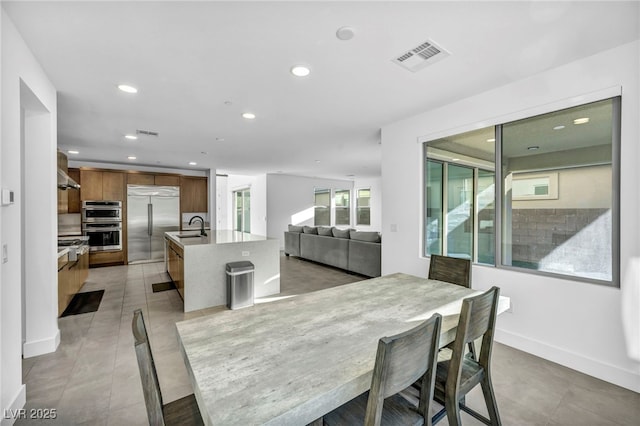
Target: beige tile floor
[{"x": 93, "y": 379}]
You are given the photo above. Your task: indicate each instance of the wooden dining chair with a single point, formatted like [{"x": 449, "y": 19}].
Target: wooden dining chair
[
  {"x": 400, "y": 361},
  {"x": 183, "y": 411},
  {"x": 455, "y": 377},
  {"x": 450, "y": 269}
]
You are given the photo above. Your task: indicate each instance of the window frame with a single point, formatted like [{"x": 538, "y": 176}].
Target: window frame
[
  {"x": 357, "y": 207},
  {"x": 616, "y": 130}
]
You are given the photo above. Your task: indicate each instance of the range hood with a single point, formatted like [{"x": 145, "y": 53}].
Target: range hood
[{"x": 65, "y": 182}]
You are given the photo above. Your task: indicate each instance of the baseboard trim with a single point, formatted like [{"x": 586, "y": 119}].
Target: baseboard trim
[
  {"x": 603, "y": 371},
  {"x": 41, "y": 347},
  {"x": 14, "y": 411}
]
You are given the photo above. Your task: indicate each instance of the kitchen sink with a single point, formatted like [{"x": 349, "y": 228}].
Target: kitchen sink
[{"x": 188, "y": 235}]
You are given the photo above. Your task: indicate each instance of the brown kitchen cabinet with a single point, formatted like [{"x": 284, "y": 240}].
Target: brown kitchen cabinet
[
  {"x": 73, "y": 195},
  {"x": 193, "y": 194},
  {"x": 175, "y": 265},
  {"x": 106, "y": 258},
  {"x": 152, "y": 179},
  {"x": 71, "y": 277},
  {"x": 140, "y": 179},
  {"x": 167, "y": 180},
  {"x": 101, "y": 185}
]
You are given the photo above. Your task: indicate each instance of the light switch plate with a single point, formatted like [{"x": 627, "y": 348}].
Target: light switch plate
[
  {"x": 5, "y": 253},
  {"x": 7, "y": 197}
]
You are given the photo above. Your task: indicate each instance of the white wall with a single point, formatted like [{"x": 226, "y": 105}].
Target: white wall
[
  {"x": 591, "y": 328},
  {"x": 19, "y": 68}
]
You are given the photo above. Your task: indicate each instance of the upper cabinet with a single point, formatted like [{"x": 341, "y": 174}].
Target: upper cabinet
[
  {"x": 193, "y": 194},
  {"x": 152, "y": 179},
  {"x": 101, "y": 185},
  {"x": 73, "y": 195}
]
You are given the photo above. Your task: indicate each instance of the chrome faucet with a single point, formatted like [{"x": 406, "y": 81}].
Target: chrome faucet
[{"x": 202, "y": 233}]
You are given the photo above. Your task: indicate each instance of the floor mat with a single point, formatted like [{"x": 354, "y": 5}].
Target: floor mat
[
  {"x": 157, "y": 287},
  {"x": 83, "y": 303}
]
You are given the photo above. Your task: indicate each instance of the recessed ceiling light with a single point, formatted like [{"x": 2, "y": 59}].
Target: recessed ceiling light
[
  {"x": 300, "y": 71},
  {"x": 131, "y": 157},
  {"x": 345, "y": 33},
  {"x": 533, "y": 148},
  {"x": 73, "y": 152},
  {"x": 131, "y": 137},
  {"x": 192, "y": 163},
  {"x": 228, "y": 103},
  {"x": 491, "y": 140},
  {"x": 455, "y": 159},
  {"x": 128, "y": 89},
  {"x": 317, "y": 161},
  {"x": 558, "y": 128},
  {"x": 220, "y": 139},
  {"x": 249, "y": 115},
  {"x": 203, "y": 152},
  {"x": 581, "y": 120}
]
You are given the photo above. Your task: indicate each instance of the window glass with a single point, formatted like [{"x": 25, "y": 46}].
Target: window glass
[
  {"x": 485, "y": 201},
  {"x": 322, "y": 207},
  {"x": 459, "y": 211},
  {"x": 459, "y": 196},
  {"x": 433, "y": 210},
  {"x": 341, "y": 199},
  {"x": 557, "y": 200},
  {"x": 363, "y": 207}
]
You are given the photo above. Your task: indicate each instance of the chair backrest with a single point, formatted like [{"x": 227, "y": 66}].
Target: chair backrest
[
  {"x": 400, "y": 361},
  {"x": 150, "y": 384},
  {"x": 477, "y": 319},
  {"x": 450, "y": 269}
]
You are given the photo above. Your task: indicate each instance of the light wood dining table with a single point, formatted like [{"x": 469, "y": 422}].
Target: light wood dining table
[{"x": 291, "y": 361}]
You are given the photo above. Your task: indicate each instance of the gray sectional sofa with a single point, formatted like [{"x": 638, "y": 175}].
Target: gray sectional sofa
[{"x": 354, "y": 251}]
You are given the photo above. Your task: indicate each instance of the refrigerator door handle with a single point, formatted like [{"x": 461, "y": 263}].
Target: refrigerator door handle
[{"x": 150, "y": 219}]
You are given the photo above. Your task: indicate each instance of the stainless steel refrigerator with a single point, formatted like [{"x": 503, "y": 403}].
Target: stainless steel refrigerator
[{"x": 151, "y": 211}]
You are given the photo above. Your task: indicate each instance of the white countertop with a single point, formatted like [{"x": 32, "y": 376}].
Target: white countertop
[{"x": 224, "y": 236}]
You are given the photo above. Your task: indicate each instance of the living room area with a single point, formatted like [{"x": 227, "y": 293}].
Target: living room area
[{"x": 504, "y": 133}]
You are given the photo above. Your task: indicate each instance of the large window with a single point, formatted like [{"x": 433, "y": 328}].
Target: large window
[
  {"x": 556, "y": 186},
  {"x": 322, "y": 207},
  {"x": 363, "y": 207},
  {"x": 342, "y": 207}
]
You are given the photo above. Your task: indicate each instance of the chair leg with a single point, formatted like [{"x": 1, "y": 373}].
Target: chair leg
[
  {"x": 453, "y": 412},
  {"x": 490, "y": 400}
]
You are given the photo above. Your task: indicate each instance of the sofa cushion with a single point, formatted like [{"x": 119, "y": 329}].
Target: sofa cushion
[
  {"x": 295, "y": 228},
  {"x": 341, "y": 233},
  {"x": 371, "y": 237},
  {"x": 326, "y": 231},
  {"x": 310, "y": 230}
]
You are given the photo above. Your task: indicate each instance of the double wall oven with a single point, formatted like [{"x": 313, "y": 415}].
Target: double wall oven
[{"x": 102, "y": 223}]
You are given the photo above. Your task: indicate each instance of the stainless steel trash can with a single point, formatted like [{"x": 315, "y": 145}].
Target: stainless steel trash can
[{"x": 239, "y": 284}]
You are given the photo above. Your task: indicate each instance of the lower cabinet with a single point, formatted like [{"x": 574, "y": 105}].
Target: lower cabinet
[
  {"x": 106, "y": 258},
  {"x": 63, "y": 283},
  {"x": 71, "y": 277},
  {"x": 175, "y": 265}
]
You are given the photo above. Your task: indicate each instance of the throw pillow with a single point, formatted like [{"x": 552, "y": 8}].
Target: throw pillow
[
  {"x": 326, "y": 231},
  {"x": 309, "y": 229},
  {"x": 341, "y": 233},
  {"x": 294, "y": 228},
  {"x": 371, "y": 237}
]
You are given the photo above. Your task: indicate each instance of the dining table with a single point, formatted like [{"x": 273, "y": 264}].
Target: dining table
[{"x": 290, "y": 361}]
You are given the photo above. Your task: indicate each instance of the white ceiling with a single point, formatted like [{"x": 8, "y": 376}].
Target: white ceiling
[{"x": 189, "y": 58}]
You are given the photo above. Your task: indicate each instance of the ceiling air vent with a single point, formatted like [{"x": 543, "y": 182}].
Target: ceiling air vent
[
  {"x": 419, "y": 57},
  {"x": 146, "y": 133}
]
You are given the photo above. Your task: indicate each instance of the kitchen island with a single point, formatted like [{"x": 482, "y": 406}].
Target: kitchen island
[{"x": 197, "y": 265}]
